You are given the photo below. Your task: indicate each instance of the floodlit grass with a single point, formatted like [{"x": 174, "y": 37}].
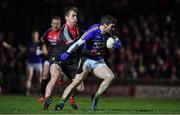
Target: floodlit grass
[{"x": 107, "y": 105}]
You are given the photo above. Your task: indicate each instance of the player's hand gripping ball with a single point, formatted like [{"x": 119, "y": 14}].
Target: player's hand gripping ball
[{"x": 113, "y": 42}]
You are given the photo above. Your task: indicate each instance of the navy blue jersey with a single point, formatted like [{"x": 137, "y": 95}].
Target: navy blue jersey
[
  {"x": 95, "y": 40},
  {"x": 32, "y": 57}
]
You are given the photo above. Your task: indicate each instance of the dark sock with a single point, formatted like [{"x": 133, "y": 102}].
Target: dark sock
[{"x": 43, "y": 86}]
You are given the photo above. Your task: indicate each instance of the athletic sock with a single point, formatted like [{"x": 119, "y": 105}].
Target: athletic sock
[
  {"x": 96, "y": 95},
  {"x": 62, "y": 101},
  {"x": 43, "y": 86}
]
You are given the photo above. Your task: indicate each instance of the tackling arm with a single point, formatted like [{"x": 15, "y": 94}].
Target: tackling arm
[
  {"x": 65, "y": 55},
  {"x": 75, "y": 45}
]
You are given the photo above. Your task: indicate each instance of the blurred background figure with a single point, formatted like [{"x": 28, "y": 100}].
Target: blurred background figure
[
  {"x": 34, "y": 61},
  {"x": 7, "y": 65}
]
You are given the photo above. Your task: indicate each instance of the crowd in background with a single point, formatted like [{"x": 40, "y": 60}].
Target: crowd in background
[{"x": 148, "y": 31}]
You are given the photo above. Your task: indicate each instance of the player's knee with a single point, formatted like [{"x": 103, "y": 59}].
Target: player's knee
[
  {"x": 54, "y": 71},
  {"x": 110, "y": 77},
  {"x": 55, "y": 74},
  {"x": 80, "y": 88}
]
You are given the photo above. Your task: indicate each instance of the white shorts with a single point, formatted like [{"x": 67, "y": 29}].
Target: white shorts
[
  {"x": 35, "y": 66},
  {"x": 46, "y": 62},
  {"x": 92, "y": 64}
]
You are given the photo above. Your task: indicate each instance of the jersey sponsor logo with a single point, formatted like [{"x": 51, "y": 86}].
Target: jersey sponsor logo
[
  {"x": 99, "y": 44},
  {"x": 50, "y": 36},
  {"x": 55, "y": 37},
  {"x": 53, "y": 41}
]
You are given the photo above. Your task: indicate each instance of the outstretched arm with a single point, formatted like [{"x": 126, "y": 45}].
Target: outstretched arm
[
  {"x": 71, "y": 49},
  {"x": 75, "y": 46}
]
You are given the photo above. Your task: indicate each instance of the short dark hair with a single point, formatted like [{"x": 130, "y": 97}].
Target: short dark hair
[
  {"x": 107, "y": 19},
  {"x": 68, "y": 9},
  {"x": 56, "y": 17}
]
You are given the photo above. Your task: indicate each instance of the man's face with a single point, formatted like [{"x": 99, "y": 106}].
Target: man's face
[
  {"x": 72, "y": 17},
  {"x": 109, "y": 27},
  {"x": 56, "y": 24}
]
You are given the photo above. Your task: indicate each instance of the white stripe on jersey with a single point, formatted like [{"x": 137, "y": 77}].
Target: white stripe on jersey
[{"x": 66, "y": 34}]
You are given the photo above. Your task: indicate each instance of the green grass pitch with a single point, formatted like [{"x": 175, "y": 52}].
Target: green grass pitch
[{"x": 107, "y": 105}]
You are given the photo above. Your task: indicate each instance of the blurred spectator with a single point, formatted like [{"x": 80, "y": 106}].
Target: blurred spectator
[{"x": 34, "y": 61}]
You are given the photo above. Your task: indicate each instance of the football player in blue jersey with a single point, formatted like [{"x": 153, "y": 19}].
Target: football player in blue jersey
[{"x": 94, "y": 39}]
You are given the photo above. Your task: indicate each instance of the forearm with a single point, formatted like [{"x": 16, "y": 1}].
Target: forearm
[{"x": 75, "y": 45}]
